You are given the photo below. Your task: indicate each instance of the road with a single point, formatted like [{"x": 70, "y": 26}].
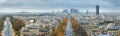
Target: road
[
  {"x": 7, "y": 29},
  {"x": 69, "y": 30}
]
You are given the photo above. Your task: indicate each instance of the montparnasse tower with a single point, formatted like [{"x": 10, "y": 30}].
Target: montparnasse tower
[{"x": 97, "y": 8}]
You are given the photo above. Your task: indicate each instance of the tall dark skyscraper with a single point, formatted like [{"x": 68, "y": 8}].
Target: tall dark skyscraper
[
  {"x": 97, "y": 9},
  {"x": 74, "y": 10}
]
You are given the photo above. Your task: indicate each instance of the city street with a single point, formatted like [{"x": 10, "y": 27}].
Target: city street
[{"x": 7, "y": 29}]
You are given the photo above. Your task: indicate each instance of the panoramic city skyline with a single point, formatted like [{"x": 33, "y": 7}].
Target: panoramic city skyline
[
  {"x": 59, "y": 18},
  {"x": 54, "y": 5}
]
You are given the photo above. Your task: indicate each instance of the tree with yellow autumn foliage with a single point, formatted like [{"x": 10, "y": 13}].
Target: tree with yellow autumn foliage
[
  {"x": 61, "y": 28},
  {"x": 75, "y": 26}
]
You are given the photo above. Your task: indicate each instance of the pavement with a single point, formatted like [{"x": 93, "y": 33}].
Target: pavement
[{"x": 7, "y": 29}]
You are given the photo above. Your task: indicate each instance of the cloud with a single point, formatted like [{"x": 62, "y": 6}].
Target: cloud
[
  {"x": 2, "y": 1},
  {"x": 114, "y": 2},
  {"x": 47, "y": 3},
  {"x": 60, "y": 4}
]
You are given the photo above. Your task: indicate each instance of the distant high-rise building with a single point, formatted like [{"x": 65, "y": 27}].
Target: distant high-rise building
[
  {"x": 87, "y": 11},
  {"x": 65, "y": 11},
  {"x": 97, "y": 9},
  {"x": 74, "y": 10}
]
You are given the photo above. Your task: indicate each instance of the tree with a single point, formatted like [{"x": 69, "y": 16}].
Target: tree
[
  {"x": 1, "y": 24},
  {"x": 75, "y": 26},
  {"x": 61, "y": 28},
  {"x": 17, "y": 24}
]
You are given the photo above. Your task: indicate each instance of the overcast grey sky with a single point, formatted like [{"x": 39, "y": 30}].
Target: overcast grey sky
[{"x": 49, "y": 5}]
